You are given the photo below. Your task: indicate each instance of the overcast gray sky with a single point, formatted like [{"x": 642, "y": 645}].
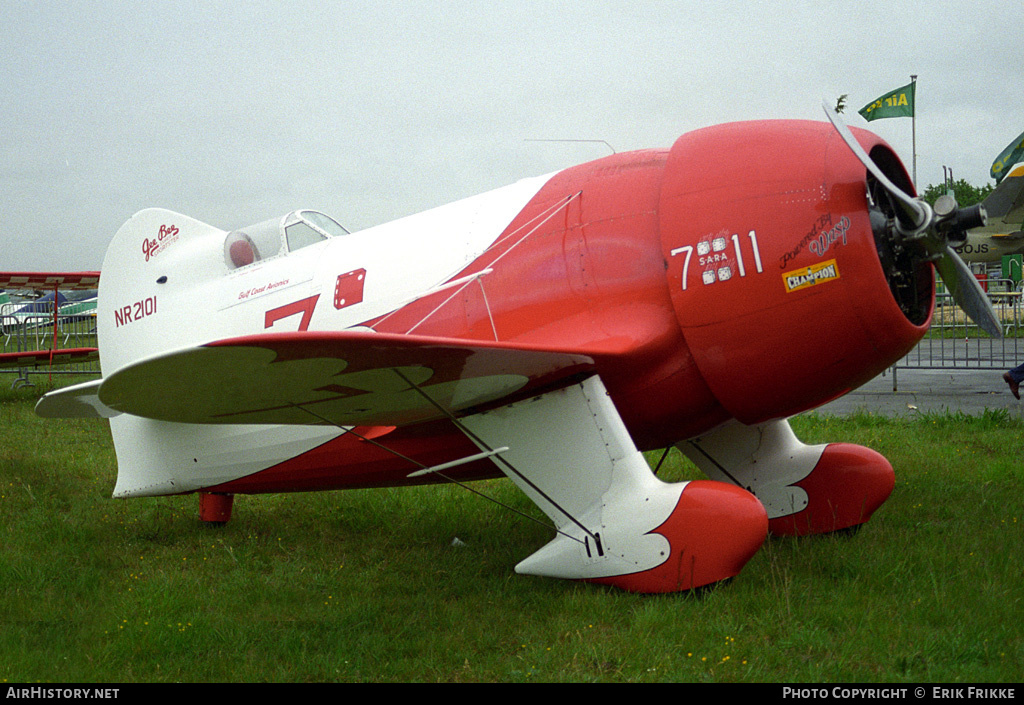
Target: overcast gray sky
[{"x": 236, "y": 111}]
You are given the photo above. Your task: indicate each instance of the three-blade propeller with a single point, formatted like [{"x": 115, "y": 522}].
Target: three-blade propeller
[{"x": 932, "y": 229}]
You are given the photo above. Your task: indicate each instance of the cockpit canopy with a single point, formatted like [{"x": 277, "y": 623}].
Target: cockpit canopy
[{"x": 278, "y": 236}]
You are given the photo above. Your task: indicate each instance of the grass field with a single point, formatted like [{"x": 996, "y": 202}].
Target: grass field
[{"x": 368, "y": 586}]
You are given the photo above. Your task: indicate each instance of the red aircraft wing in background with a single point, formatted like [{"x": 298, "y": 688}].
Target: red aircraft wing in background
[{"x": 45, "y": 282}]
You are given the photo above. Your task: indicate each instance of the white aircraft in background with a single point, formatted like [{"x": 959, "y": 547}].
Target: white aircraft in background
[{"x": 1002, "y": 235}]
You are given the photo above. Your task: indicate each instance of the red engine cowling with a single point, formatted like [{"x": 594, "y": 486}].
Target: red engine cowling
[{"x": 774, "y": 272}]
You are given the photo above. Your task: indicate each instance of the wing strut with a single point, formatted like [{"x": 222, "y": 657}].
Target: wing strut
[
  {"x": 714, "y": 462},
  {"x": 456, "y": 463},
  {"x": 463, "y": 282},
  {"x": 476, "y": 439},
  {"x": 437, "y": 469}
]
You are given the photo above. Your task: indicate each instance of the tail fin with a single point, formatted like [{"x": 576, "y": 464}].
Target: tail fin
[
  {"x": 1006, "y": 203},
  {"x": 155, "y": 260},
  {"x": 162, "y": 289}
]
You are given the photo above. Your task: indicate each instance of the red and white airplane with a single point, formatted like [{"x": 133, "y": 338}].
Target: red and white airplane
[{"x": 550, "y": 330}]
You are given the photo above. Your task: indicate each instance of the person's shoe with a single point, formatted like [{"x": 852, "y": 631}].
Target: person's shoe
[{"x": 1014, "y": 386}]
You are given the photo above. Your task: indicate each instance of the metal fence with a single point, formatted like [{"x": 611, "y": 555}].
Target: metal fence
[
  {"x": 24, "y": 331},
  {"x": 955, "y": 341}
]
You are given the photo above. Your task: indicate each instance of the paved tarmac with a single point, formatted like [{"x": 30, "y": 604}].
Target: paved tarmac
[{"x": 969, "y": 391}]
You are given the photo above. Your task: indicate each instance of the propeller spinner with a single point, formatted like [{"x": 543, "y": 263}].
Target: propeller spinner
[{"x": 931, "y": 232}]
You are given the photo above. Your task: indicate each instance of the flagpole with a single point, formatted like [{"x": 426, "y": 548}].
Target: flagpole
[{"x": 913, "y": 128}]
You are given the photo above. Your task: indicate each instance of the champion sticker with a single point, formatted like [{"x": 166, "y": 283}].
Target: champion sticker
[{"x": 806, "y": 277}]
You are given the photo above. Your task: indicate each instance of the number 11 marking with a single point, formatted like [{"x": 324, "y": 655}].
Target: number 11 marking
[{"x": 739, "y": 255}]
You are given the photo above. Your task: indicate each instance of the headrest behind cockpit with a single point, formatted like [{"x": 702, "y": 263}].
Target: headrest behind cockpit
[{"x": 278, "y": 236}]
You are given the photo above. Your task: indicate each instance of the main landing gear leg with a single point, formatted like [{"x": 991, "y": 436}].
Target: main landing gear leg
[
  {"x": 616, "y": 523},
  {"x": 805, "y": 489}
]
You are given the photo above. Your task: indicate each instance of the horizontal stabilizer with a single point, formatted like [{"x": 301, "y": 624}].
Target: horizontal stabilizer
[
  {"x": 78, "y": 401},
  {"x": 343, "y": 378}
]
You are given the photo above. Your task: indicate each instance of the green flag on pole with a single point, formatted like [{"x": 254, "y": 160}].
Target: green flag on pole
[
  {"x": 1013, "y": 153},
  {"x": 898, "y": 103}
]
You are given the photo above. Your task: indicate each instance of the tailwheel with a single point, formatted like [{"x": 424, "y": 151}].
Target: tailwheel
[{"x": 215, "y": 508}]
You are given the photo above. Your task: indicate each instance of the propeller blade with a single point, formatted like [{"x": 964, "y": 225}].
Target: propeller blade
[
  {"x": 916, "y": 213},
  {"x": 963, "y": 286},
  {"x": 932, "y": 228}
]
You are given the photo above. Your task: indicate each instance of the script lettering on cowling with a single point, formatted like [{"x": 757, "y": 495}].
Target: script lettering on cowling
[
  {"x": 825, "y": 240},
  {"x": 819, "y": 239}
]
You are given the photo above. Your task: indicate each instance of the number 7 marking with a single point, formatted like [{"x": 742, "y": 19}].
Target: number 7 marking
[
  {"x": 688, "y": 249},
  {"x": 303, "y": 306}
]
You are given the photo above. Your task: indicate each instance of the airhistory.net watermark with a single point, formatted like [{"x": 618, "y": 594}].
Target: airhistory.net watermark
[{"x": 49, "y": 693}]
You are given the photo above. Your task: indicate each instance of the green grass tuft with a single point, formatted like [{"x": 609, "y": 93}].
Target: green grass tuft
[{"x": 367, "y": 586}]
